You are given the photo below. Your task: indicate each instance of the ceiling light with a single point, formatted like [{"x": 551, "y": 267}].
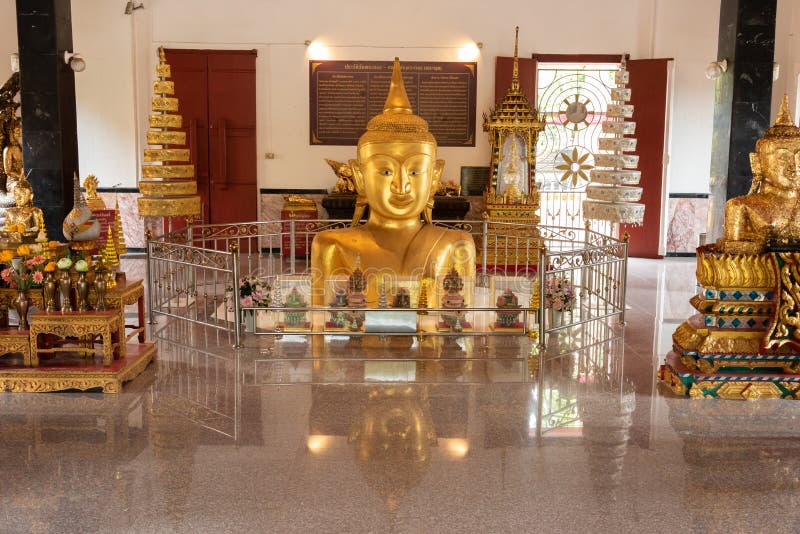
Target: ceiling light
[
  {"x": 470, "y": 51},
  {"x": 317, "y": 50}
]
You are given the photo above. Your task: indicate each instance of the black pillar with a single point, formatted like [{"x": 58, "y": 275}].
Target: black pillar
[
  {"x": 47, "y": 95},
  {"x": 742, "y": 98}
]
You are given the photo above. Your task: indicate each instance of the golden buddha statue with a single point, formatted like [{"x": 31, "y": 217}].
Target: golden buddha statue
[
  {"x": 12, "y": 156},
  {"x": 770, "y": 209},
  {"x": 396, "y": 174},
  {"x": 6, "y": 196},
  {"x": 24, "y": 219}
]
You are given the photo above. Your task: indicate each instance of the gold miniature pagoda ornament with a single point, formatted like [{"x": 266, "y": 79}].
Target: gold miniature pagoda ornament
[
  {"x": 109, "y": 252},
  {"x": 613, "y": 194},
  {"x": 168, "y": 184},
  {"x": 119, "y": 235},
  {"x": 512, "y": 196}
]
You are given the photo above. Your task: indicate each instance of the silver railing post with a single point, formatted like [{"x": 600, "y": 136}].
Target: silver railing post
[
  {"x": 542, "y": 269},
  {"x": 485, "y": 250},
  {"x": 237, "y": 305},
  {"x": 584, "y": 294},
  {"x": 148, "y": 236},
  {"x": 625, "y": 238}
]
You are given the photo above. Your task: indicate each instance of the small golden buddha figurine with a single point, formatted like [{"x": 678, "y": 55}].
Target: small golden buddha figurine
[
  {"x": 396, "y": 174},
  {"x": 12, "y": 156},
  {"x": 24, "y": 218},
  {"x": 297, "y": 200},
  {"x": 344, "y": 178},
  {"x": 93, "y": 200},
  {"x": 771, "y": 210},
  {"x": 6, "y": 196}
]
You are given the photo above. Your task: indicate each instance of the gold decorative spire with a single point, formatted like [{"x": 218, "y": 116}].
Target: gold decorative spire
[
  {"x": 784, "y": 117},
  {"x": 168, "y": 185},
  {"x": 119, "y": 235},
  {"x": 515, "y": 72},
  {"x": 77, "y": 193},
  {"x": 784, "y": 125},
  {"x": 109, "y": 251},
  {"x": 397, "y": 99},
  {"x": 397, "y": 122}
]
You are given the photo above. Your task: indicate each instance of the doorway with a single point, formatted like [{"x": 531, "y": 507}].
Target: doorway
[{"x": 217, "y": 94}]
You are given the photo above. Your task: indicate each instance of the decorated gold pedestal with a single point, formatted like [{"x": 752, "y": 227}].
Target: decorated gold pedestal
[
  {"x": 742, "y": 343},
  {"x": 66, "y": 372},
  {"x": 512, "y": 197}
]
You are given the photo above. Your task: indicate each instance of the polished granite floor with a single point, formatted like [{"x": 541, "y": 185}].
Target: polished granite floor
[{"x": 406, "y": 435}]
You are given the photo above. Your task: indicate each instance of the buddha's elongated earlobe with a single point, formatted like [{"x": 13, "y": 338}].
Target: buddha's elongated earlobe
[
  {"x": 427, "y": 213},
  {"x": 361, "y": 198}
]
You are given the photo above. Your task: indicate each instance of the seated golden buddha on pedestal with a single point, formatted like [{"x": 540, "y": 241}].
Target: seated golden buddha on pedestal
[
  {"x": 769, "y": 212},
  {"x": 24, "y": 220},
  {"x": 396, "y": 174}
]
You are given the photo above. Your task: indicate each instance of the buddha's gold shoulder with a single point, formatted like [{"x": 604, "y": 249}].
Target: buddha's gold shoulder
[
  {"x": 448, "y": 234},
  {"x": 340, "y": 238}
]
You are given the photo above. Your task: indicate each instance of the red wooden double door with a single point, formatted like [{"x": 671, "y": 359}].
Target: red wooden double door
[{"x": 217, "y": 93}]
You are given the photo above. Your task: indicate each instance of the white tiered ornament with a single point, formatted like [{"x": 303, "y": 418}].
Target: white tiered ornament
[{"x": 613, "y": 193}]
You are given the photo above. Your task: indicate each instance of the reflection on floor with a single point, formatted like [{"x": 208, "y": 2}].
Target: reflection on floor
[{"x": 406, "y": 434}]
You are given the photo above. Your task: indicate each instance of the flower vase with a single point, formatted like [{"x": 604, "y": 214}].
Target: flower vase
[
  {"x": 64, "y": 286},
  {"x": 555, "y": 318},
  {"x": 21, "y": 304},
  {"x": 249, "y": 317},
  {"x": 82, "y": 290},
  {"x": 49, "y": 288},
  {"x": 100, "y": 286}
]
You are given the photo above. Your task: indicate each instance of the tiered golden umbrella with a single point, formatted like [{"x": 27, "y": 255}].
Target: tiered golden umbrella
[{"x": 168, "y": 184}]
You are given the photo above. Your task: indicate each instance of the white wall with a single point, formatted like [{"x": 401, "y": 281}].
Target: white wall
[
  {"x": 103, "y": 34},
  {"x": 692, "y": 42},
  {"x": 8, "y": 37},
  {"x": 787, "y": 55},
  {"x": 117, "y": 45}
]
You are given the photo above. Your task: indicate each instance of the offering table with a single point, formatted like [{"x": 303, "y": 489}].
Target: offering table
[{"x": 84, "y": 326}]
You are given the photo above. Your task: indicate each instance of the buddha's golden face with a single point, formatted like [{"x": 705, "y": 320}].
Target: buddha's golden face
[
  {"x": 397, "y": 177},
  {"x": 22, "y": 196},
  {"x": 779, "y": 162}
]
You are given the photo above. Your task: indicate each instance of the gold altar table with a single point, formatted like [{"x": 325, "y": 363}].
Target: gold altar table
[
  {"x": 84, "y": 326},
  {"x": 125, "y": 294},
  {"x": 14, "y": 340}
]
